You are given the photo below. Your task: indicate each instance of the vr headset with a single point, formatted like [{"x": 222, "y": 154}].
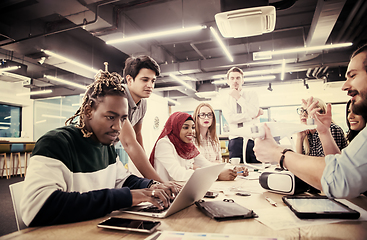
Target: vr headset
[{"x": 283, "y": 182}]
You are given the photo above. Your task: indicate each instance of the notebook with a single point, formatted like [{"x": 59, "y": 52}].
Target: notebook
[{"x": 194, "y": 189}]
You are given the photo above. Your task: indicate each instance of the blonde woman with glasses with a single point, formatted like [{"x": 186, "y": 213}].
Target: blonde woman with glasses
[{"x": 206, "y": 139}]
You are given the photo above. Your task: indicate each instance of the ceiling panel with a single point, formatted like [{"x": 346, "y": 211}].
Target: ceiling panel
[{"x": 27, "y": 26}]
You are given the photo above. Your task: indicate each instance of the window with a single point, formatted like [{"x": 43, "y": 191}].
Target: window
[
  {"x": 51, "y": 113},
  {"x": 10, "y": 121}
]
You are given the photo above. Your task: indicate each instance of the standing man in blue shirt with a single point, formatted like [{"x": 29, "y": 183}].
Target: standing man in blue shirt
[{"x": 339, "y": 175}]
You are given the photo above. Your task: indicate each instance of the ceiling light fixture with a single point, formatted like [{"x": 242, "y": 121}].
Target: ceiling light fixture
[
  {"x": 34, "y": 93},
  {"x": 283, "y": 70},
  {"x": 305, "y": 49},
  {"x": 53, "y": 116},
  {"x": 219, "y": 40},
  {"x": 250, "y": 79},
  {"x": 209, "y": 94},
  {"x": 181, "y": 81},
  {"x": 69, "y": 60},
  {"x": 66, "y": 82},
  {"x": 250, "y": 73},
  {"x": 13, "y": 75},
  {"x": 42, "y": 60},
  {"x": 157, "y": 34},
  {"x": 9, "y": 69},
  {"x": 41, "y": 121}
]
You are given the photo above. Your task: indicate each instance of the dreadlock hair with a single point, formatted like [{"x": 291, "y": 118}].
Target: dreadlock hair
[{"x": 105, "y": 84}]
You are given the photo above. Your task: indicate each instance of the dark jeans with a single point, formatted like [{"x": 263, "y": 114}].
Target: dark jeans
[{"x": 235, "y": 148}]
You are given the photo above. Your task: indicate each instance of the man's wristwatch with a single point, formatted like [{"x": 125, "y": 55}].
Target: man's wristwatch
[
  {"x": 153, "y": 182},
  {"x": 281, "y": 162}
]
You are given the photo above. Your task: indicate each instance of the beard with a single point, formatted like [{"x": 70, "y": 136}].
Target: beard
[{"x": 361, "y": 108}]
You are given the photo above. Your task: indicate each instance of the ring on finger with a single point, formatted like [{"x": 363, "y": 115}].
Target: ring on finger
[{"x": 153, "y": 193}]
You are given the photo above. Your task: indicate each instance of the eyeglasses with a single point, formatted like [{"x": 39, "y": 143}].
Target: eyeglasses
[
  {"x": 301, "y": 110},
  {"x": 203, "y": 115}
]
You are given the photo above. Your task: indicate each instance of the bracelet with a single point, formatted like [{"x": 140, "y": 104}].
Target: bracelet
[
  {"x": 281, "y": 161},
  {"x": 152, "y": 183}
]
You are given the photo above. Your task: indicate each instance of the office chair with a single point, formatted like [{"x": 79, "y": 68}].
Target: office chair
[
  {"x": 15, "y": 150},
  {"x": 4, "y": 149},
  {"x": 224, "y": 149},
  {"x": 28, "y": 148},
  {"x": 16, "y": 191}
]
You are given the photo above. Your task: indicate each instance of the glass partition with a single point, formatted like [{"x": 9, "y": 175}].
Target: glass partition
[
  {"x": 51, "y": 113},
  {"x": 10, "y": 121}
]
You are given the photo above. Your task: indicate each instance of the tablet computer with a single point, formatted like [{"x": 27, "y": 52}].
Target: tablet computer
[
  {"x": 308, "y": 207},
  {"x": 129, "y": 224}
]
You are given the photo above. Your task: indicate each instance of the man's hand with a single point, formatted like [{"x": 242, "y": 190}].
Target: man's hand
[
  {"x": 266, "y": 149},
  {"x": 241, "y": 171},
  {"x": 150, "y": 195},
  {"x": 261, "y": 112},
  {"x": 235, "y": 93},
  {"x": 227, "y": 175},
  {"x": 171, "y": 188}
]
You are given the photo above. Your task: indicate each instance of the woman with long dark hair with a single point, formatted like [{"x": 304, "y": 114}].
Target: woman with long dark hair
[{"x": 355, "y": 122}]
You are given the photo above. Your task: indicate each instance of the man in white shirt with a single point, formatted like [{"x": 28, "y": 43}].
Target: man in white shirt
[
  {"x": 339, "y": 175},
  {"x": 240, "y": 109}
]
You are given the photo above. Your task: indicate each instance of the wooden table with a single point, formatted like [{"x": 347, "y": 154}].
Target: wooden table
[{"x": 192, "y": 219}]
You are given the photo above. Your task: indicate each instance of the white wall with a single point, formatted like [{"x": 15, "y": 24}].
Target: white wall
[
  {"x": 283, "y": 94},
  {"x": 8, "y": 91},
  {"x": 158, "y": 111}
]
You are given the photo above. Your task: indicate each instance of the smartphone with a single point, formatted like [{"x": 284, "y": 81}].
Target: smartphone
[
  {"x": 129, "y": 224},
  {"x": 244, "y": 194},
  {"x": 210, "y": 194}
]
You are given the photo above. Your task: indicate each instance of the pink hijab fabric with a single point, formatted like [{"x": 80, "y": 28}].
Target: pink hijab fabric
[{"x": 172, "y": 129}]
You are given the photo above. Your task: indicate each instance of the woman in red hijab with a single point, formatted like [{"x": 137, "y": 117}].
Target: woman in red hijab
[{"x": 174, "y": 155}]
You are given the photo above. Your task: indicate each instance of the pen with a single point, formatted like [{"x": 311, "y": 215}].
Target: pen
[
  {"x": 271, "y": 201},
  {"x": 240, "y": 172}
]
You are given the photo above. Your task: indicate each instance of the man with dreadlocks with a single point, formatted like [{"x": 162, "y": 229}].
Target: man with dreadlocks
[{"x": 73, "y": 174}]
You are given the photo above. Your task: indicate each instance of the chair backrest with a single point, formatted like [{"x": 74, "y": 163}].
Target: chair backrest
[
  {"x": 16, "y": 191},
  {"x": 4, "y": 147},
  {"x": 29, "y": 147},
  {"x": 17, "y": 147}
]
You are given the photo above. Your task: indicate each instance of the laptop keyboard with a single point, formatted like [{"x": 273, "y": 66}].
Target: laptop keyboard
[{"x": 155, "y": 209}]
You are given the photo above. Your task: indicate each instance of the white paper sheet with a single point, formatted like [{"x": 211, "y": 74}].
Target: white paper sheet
[{"x": 278, "y": 218}]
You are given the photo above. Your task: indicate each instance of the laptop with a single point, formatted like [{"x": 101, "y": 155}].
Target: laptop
[{"x": 194, "y": 189}]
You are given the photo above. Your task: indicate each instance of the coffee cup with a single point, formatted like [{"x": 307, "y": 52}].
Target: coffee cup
[{"x": 235, "y": 161}]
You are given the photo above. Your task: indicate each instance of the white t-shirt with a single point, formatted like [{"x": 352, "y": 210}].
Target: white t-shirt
[{"x": 170, "y": 166}]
